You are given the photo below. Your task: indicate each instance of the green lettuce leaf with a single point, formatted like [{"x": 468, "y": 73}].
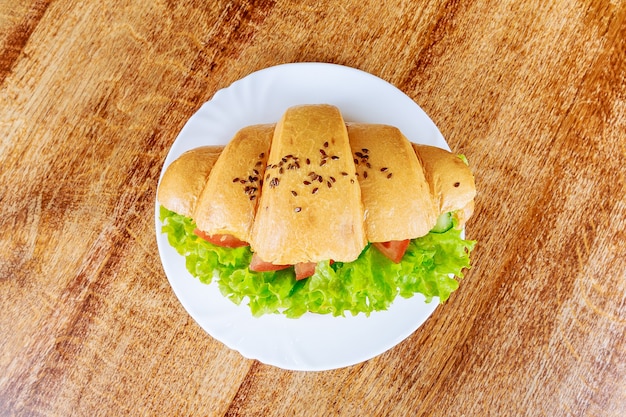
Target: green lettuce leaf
[{"x": 431, "y": 266}]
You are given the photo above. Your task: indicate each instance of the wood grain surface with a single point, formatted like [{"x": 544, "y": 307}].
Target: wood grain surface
[{"x": 92, "y": 95}]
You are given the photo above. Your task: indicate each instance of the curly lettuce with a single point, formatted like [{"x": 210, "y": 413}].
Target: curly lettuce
[{"x": 432, "y": 266}]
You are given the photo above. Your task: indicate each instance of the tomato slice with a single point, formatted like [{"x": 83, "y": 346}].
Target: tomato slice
[
  {"x": 394, "y": 249},
  {"x": 259, "y": 265},
  {"x": 226, "y": 241},
  {"x": 304, "y": 269}
]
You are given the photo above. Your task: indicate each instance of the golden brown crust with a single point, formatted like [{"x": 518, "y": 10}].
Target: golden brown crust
[
  {"x": 229, "y": 199},
  {"x": 451, "y": 181},
  {"x": 310, "y": 208},
  {"x": 396, "y": 197},
  {"x": 184, "y": 179},
  {"x": 327, "y": 190}
]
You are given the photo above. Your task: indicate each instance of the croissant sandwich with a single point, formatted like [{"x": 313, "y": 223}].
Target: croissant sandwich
[{"x": 313, "y": 214}]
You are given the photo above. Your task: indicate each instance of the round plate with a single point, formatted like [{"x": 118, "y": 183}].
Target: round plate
[{"x": 312, "y": 342}]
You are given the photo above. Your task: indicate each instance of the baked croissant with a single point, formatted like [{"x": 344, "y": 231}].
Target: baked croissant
[{"x": 313, "y": 188}]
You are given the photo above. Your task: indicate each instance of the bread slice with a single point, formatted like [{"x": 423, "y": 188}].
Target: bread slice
[
  {"x": 397, "y": 200},
  {"x": 310, "y": 208},
  {"x": 229, "y": 199},
  {"x": 184, "y": 179},
  {"x": 451, "y": 180}
]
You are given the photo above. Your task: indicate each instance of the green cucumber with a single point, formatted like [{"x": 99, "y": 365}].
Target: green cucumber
[{"x": 444, "y": 223}]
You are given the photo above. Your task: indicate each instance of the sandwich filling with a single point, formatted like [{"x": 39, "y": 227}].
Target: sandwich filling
[{"x": 431, "y": 266}]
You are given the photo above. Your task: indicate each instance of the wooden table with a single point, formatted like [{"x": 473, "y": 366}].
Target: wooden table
[{"x": 92, "y": 95}]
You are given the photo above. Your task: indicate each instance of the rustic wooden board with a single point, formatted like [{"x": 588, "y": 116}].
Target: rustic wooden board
[{"x": 93, "y": 95}]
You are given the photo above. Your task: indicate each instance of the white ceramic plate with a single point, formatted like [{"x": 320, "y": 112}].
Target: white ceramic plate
[{"x": 312, "y": 342}]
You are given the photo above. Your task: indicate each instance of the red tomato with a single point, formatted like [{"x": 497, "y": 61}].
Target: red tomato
[
  {"x": 394, "y": 249},
  {"x": 305, "y": 269},
  {"x": 259, "y": 265},
  {"x": 226, "y": 241}
]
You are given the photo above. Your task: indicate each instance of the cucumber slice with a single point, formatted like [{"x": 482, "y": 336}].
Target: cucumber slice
[{"x": 444, "y": 223}]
